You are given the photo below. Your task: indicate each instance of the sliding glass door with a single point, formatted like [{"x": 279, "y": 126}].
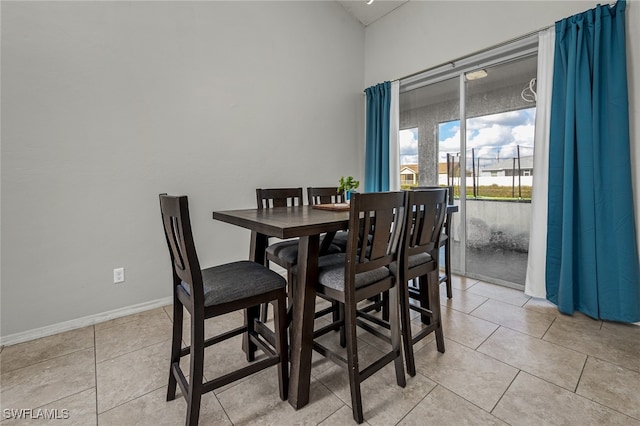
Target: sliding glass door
[
  {"x": 500, "y": 125},
  {"x": 472, "y": 128}
]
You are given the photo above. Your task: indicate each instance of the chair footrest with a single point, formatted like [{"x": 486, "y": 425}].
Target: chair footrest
[
  {"x": 375, "y": 332},
  {"x": 324, "y": 312},
  {"x": 327, "y": 328},
  {"x": 380, "y": 363},
  {"x": 424, "y": 332},
  {"x": 421, "y": 310},
  {"x": 327, "y": 353},
  {"x": 375, "y": 320},
  {"x": 238, "y": 374},
  {"x": 216, "y": 339}
]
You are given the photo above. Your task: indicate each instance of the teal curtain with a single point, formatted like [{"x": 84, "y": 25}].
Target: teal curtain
[
  {"x": 592, "y": 255},
  {"x": 376, "y": 168}
]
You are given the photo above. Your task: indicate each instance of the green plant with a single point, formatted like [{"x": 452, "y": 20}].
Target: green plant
[{"x": 348, "y": 184}]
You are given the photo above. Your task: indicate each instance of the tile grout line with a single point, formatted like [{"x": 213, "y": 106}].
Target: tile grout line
[
  {"x": 488, "y": 337},
  {"x": 125, "y": 402},
  {"x": 332, "y": 393},
  {"x": 50, "y": 359},
  {"x": 503, "y": 394},
  {"x": 577, "y": 395},
  {"x": 591, "y": 355},
  {"x": 584, "y": 365},
  {"x": 549, "y": 328},
  {"x": 131, "y": 351},
  {"x": 462, "y": 397},
  {"x": 422, "y": 399}
]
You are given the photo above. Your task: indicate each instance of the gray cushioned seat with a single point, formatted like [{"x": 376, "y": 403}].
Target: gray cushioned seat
[
  {"x": 221, "y": 282},
  {"x": 332, "y": 275},
  {"x": 288, "y": 250},
  {"x": 324, "y": 261},
  {"x": 340, "y": 240},
  {"x": 415, "y": 260}
]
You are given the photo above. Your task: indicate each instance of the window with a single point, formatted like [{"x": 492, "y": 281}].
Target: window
[{"x": 409, "y": 157}]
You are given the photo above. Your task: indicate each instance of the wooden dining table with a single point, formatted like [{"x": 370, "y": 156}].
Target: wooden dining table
[{"x": 305, "y": 223}]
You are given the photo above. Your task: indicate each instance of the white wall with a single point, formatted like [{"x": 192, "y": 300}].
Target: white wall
[
  {"x": 423, "y": 34},
  {"x": 107, "y": 104}
]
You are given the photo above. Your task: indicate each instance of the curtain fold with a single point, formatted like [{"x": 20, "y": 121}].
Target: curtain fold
[
  {"x": 535, "y": 280},
  {"x": 394, "y": 136},
  {"x": 592, "y": 257},
  {"x": 376, "y": 172}
]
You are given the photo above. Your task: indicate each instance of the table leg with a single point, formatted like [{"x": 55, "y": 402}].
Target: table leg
[
  {"x": 257, "y": 246},
  {"x": 302, "y": 325},
  {"x": 326, "y": 242}
]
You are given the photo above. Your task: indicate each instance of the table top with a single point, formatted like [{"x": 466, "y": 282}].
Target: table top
[{"x": 286, "y": 222}]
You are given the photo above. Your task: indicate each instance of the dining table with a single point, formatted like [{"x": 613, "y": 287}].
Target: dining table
[{"x": 307, "y": 223}]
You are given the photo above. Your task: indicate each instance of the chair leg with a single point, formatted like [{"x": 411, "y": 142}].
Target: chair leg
[
  {"x": 343, "y": 329},
  {"x": 176, "y": 345},
  {"x": 280, "y": 325},
  {"x": 196, "y": 370},
  {"x": 423, "y": 286},
  {"x": 396, "y": 344},
  {"x": 405, "y": 320},
  {"x": 335, "y": 311},
  {"x": 352, "y": 359},
  {"x": 434, "y": 306},
  {"x": 251, "y": 314},
  {"x": 385, "y": 306},
  {"x": 377, "y": 300},
  {"x": 264, "y": 312},
  {"x": 447, "y": 258}
]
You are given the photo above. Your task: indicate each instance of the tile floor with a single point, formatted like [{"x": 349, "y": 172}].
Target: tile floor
[{"x": 509, "y": 360}]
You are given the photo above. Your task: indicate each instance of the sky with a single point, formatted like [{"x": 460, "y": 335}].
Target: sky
[{"x": 492, "y": 137}]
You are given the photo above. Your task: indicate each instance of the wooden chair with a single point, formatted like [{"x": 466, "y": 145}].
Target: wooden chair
[
  {"x": 212, "y": 292},
  {"x": 284, "y": 253},
  {"x": 326, "y": 195},
  {"x": 418, "y": 262},
  {"x": 375, "y": 232},
  {"x": 446, "y": 239}
]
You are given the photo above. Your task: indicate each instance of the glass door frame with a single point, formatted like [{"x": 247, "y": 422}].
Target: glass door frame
[{"x": 510, "y": 51}]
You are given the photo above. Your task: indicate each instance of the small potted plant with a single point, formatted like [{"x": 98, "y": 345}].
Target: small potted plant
[{"x": 347, "y": 185}]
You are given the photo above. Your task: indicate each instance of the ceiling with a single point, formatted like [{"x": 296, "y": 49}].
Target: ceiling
[{"x": 369, "y": 13}]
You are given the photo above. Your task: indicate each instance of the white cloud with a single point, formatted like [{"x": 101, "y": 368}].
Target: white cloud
[
  {"x": 524, "y": 134},
  {"x": 494, "y": 136},
  {"x": 408, "y": 146},
  {"x": 409, "y": 159}
]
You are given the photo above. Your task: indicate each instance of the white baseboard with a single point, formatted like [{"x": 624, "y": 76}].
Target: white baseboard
[{"x": 49, "y": 330}]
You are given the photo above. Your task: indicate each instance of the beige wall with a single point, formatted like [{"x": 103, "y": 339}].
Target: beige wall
[
  {"x": 107, "y": 104},
  {"x": 423, "y": 34}
]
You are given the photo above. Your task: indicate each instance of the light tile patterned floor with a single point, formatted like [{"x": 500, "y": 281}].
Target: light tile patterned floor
[{"x": 509, "y": 360}]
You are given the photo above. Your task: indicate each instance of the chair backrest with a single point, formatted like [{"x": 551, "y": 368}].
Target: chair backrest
[
  {"x": 426, "y": 211},
  {"x": 184, "y": 260},
  {"x": 379, "y": 219},
  {"x": 278, "y": 197},
  {"x": 450, "y": 198},
  {"x": 324, "y": 195}
]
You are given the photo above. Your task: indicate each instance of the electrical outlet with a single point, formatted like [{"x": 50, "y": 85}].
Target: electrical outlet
[{"x": 118, "y": 275}]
